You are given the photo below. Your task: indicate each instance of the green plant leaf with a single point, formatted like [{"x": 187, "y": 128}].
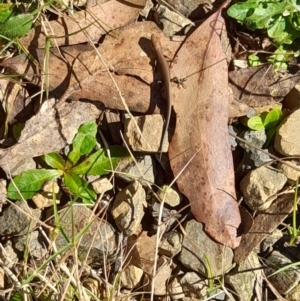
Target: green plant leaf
[
  {"x": 270, "y": 133},
  {"x": 16, "y": 26},
  {"x": 55, "y": 160},
  {"x": 256, "y": 123},
  {"x": 5, "y": 11},
  {"x": 30, "y": 182},
  {"x": 241, "y": 10},
  {"x": 265, "y": 13},
  {"x": 254, "y": 60},
  {"x": 84, "y": 142},
  {"x": 98, "y": 163},
  {"x": 79, "y": 187},
  {"x": 16, "y": 297},
  {"x": 273, "y": 118},
  {"x": 279, "y": 17},
  {"x": 282, "y": 31}
]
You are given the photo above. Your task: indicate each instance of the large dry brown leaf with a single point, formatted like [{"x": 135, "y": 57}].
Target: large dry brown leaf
[
  {"x": 127, "y": 53},
  {"x": 96, "y": 21},
  {"x": 201, "y": 133}
]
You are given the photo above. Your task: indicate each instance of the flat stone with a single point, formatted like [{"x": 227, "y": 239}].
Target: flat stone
[
  {"x": 151, "y": 127},
  {"x": 175, "y": 289},
  {"x": 202, "y": 254},
  {"x": 144, "y": 171},
  {"x": 244, "y": 281},
  {"x": 260, "y": 187},
  {"x": 102, "y": 185},
  {"x": 169, "y": 196},
  {"x": 289, "y": 172},
  {"x": 18, "y": 219},
  {"x": 284, "y": 282},
  {"x": 170, "y": 244},
  {"x": 97, "y": 241},
  {"x": 8, "y": 255},
  {"x": 193, "y": 284},
  {"x": 162, "y": 275},
  {"x": 288, "y": 134},
  {"x": 128, "y": 208},
  {"x": 131, "y": 276},
  {"x": 31, "y": 242}
]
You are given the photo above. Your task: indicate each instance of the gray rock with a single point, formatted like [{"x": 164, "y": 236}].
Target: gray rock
[
  {"x": 31, "y": 242},
  {"x": 169, "y": 196},
  {"x": 202, "y": 254},
  {"x": 233, "y": 141},
  {"x": 259, "y": 158},
  {"x": 131, "y": 276},
  {"x": 260, "y": 186},
  {"x": 98, "y": 239},
  {"x": 24, "y": 165},
  {"x": 245, "y": 280},
  {"x": 143, "y": 171},
  {"x": 170, "y": 244},
  {"x": 257, "y": 138},
  {"x": 8, "y": 255},
  {"x": 193, "y": 284},
  {"x": 151, "y": 127},
  {"x": 128, "y": 208},
  {"x": 18, "y": 219},
  {"x": 268, "y": 243},
  {"x": 289, "y": 172},
  {"x": 163, "y": 273},
  {"x": 285, "y": 281},
  {"x": 175, "y": 289},
  {"x": 288, "y": 135},
  {"x": 100, "y": 186},
  {"x": 169, "y": 217}
]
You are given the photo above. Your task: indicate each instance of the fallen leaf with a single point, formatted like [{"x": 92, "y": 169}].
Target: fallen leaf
[
  {"x": 200, "y": 146},
  {"x": 97, "y": 21},
  {"x": 264, "y": 224},
  {"x": 260, "y": 86},
  {"x": 130, "y": 59}
]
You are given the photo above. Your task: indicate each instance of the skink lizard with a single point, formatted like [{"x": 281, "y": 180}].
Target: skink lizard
[{"x": 166, "y": 78}]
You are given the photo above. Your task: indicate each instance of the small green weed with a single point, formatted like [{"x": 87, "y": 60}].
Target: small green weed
[
  {"x": 267, "y": 121},
  {"x": 279, "y": 18},
  {"x": 15, "y": 22},
  {"x": 70, "y": 169}
]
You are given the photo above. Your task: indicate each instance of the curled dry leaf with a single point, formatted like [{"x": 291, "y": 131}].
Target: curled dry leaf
[{"x": 200, "y": 147}]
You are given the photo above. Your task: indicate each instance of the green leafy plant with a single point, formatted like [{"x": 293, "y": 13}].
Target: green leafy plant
[
  {"x": 280, "y": 18},
  {"x": 14, "y": 23},
  {"x": 80, "y": 161},
  {"x": 267, "y": 121}
]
